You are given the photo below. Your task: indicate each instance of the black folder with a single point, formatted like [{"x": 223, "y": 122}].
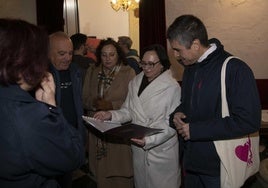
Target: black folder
[{"x": 125, "y": 131}]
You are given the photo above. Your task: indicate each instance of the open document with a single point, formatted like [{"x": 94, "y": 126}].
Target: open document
[{"x": 125, "y": 131}]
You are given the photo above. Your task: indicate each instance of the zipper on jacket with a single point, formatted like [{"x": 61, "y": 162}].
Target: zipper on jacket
[{"x": 192, "y": 90}]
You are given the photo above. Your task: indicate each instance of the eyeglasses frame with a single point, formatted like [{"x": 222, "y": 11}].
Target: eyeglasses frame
[{"x": 150, "y": 65}]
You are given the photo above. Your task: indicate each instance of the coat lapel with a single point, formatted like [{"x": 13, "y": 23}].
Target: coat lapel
[{"x": 154, "y": 88}]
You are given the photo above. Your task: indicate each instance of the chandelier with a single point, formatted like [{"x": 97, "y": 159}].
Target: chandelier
[{"x": 125, "y": 5}]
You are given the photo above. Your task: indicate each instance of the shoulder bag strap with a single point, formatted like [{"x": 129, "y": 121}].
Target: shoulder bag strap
[{"x": 224, "y": 105}]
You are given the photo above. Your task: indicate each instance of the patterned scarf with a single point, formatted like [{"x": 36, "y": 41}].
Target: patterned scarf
[{"x": 105, "y": 81}]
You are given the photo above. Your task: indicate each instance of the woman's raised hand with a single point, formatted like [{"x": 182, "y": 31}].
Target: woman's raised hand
[{"x": 46, "y": 91}]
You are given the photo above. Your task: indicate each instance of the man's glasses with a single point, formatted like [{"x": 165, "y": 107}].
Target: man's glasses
[{"x": 149, "y": 65}]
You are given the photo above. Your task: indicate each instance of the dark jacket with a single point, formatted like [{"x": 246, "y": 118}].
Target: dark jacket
[
  {"x": 133, "y": 60},
  {"x": 201, "y": 103},
  {"x": 76, "y": 79},
  {"x": 83, "y": 63},
  {"x": 36, "y": 142}
]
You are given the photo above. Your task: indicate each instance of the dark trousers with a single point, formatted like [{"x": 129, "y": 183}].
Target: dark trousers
[
  {"x": 192, "y": 180},
  {"x": 65, "y": 181}
]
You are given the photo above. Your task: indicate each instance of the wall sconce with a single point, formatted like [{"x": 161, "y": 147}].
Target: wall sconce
[{"x": 125, "y": 5}]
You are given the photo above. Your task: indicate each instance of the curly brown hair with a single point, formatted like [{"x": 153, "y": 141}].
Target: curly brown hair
[{"x": 109, "y": 41}]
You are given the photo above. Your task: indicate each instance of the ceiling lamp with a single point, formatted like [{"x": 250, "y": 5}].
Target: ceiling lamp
[{"x": 125, "y": 5}]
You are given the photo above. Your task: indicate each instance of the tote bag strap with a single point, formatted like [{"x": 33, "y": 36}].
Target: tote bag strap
[{"x": 224, "y": 105}]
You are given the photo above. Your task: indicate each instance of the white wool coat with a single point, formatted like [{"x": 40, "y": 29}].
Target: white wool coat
[{"x": 156, "y": 165}]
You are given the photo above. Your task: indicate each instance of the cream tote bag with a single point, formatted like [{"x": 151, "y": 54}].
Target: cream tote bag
[{"x": 239, "y": 157}]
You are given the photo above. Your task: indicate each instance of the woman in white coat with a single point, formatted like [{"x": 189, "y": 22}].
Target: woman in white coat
[{"x": 153, "y": 95}]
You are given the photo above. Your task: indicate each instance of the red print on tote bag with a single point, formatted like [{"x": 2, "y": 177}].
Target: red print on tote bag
[{"x": 244, "y": 153}]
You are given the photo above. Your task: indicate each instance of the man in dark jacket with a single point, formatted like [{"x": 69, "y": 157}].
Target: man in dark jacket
[
  {"x": 68, "y": 82},
  {"x": 133, "y": 59},
  {"x": 79, "y": 54},
  {"x": 198, "y": 118}
]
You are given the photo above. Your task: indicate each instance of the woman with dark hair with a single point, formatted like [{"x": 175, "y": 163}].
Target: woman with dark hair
[
  {"x": 121, "y": 56},
  {"x": 105, "y": 88},
  {"x": 152, "y": 97},
  {"x": 36, "y": 142}
]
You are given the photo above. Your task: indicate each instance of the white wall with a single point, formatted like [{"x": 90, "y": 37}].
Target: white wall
[
  {"x": 97, "y": 18},
  {"x": 25, "y": 9},
  {"x": 241, "y": 25}
]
